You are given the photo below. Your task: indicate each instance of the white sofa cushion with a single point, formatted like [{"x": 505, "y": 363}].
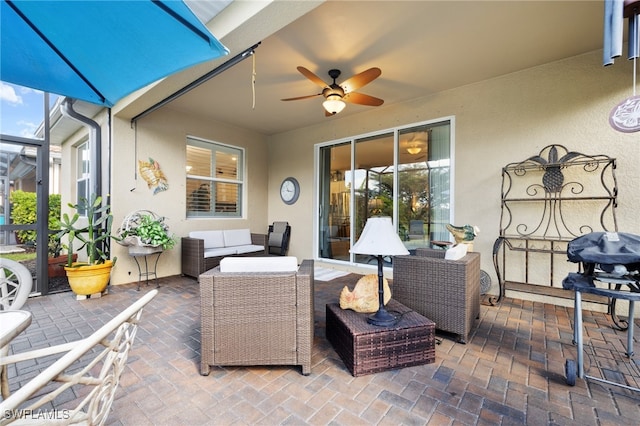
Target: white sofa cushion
[
  {"x": 259, "y": 264},
  {"x": 249, "y": 248},
  {"x": 236, "y": 237},
  {"x": 220, "y": 251},
  {"x": 212, "y": 239}
]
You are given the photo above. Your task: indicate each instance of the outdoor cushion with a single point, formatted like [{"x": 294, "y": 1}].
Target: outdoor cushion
[
  {"x": 275, "y": 237},
  {"x": 212, "y": 239},
  {"x": 220, "y": 251},
  {"x": 236, "y": 237},
  {"x": 248, "y": 248},
  {"x": 259, "y": 264}
]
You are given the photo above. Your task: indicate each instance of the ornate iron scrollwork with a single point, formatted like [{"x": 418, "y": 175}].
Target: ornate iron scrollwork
[{"x": 551, "y": 198}]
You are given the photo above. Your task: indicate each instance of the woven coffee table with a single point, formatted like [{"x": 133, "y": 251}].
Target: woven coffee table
[{"x": 367, "y": 349}]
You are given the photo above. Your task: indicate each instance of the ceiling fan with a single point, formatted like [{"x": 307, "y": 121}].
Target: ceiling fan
[{"x": 337, "y": 94}]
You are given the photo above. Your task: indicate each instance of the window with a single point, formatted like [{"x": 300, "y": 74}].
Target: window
[
  {"x": 403, "y": 173},
  {"x": 215, "y": 179},
  {"x": 83, "y": 181}
]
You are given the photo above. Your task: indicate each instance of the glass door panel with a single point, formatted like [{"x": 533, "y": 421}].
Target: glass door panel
[
  {"x": 335, "y": 194},
  {"x": 18, "y": 204},
  {"x": 413, "y": 187},
  {"x": 423, "y": 181},
  {"x": 372, "y": 181}
]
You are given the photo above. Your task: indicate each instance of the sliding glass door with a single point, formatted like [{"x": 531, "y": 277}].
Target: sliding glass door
[
  {"x": 373, "y": 183},
  {"x": 335, "y": 194},
  {"x": 402, "y": 173}
]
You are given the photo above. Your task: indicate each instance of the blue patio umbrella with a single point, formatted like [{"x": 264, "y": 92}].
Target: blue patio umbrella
[{"x": 99, "y": 51}]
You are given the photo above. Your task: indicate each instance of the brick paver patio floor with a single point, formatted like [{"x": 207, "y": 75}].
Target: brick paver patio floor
[{"x": 510, "y": 373}]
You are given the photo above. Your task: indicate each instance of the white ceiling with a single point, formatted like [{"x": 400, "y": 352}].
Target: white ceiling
[{"x": 422, "y": 47}]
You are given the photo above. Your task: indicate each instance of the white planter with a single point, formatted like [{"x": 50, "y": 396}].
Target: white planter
[{"x": 137, "y": 248}]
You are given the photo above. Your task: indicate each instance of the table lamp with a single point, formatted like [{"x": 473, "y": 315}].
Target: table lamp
[{"x": 379, "y": 238}]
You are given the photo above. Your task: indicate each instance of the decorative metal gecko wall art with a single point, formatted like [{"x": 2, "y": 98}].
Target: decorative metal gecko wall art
[{"x": 151, "y": 173}]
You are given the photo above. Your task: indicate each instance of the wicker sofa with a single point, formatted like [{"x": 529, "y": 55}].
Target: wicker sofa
[
  {"x": 203, "y": 250},
  {"x": 445, "y": 291},
  {"x": 257, "y": 318}
]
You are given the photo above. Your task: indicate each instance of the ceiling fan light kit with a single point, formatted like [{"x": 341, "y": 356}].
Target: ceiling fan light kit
[
  {"x": 337, "y": 94},
  {"x": 334, "y": 104}
]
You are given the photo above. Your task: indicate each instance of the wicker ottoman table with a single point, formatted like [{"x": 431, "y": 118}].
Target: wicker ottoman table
[{"x": 367, "y": 349}]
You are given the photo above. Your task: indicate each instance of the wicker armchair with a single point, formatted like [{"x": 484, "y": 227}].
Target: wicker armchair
[
  {"x": 257, "y": 318},
  {"x": 445, "y": 291}
]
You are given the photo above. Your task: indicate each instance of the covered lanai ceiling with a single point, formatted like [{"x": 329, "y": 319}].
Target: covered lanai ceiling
[{"x": 422, "y": 48}]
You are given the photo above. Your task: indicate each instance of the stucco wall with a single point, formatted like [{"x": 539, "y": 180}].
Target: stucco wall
[
  {"x": 162, "y": 136},
  {"x": 496, "y": 122}
]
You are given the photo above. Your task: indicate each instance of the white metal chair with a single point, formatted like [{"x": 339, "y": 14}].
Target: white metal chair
[
  {"x": 15, "y": 284},
  {"x": 15, "y": 287},
  {"x": 100, "y": 370}
]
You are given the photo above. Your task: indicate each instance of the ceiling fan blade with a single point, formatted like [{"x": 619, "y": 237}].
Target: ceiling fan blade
[
  {"x": 311, "y": 76},
  {"x": 359, "y": 80},
  {"x": 362, "y": 99},
  {"x": 302, "y": 97}
]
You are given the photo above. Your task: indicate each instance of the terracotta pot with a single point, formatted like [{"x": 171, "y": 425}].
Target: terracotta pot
[
  {"x": 89, "y": 279},
  {"x": 55, "y": 265}
]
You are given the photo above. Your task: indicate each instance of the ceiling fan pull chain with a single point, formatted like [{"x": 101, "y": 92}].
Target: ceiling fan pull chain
[{"x": 253, "y": 81}]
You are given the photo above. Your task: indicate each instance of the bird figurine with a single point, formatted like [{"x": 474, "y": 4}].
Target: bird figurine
[{"x": 464, "y": 234}]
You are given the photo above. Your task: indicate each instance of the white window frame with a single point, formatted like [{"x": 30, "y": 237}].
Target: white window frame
[
  {"x": 240, "y": 181},
  {"x": 83, "y": 177}
]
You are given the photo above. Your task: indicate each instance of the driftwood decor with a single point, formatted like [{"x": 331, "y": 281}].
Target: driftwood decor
[{"x": 548, "y": 200}]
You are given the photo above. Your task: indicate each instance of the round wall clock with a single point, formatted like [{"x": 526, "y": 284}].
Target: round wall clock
[{"x": 289, "y": 190}]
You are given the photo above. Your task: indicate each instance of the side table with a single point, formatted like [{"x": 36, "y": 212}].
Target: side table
[
  {"x": 367, "y": 349},
  {"x": 137, "y": 252}
]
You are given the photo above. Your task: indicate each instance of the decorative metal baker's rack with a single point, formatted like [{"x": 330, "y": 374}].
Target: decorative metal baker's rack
[{"x": 548, "y": 200}]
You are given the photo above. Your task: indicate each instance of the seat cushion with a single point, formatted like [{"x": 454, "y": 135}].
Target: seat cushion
[
  {"x": 248, "y": 248},
  {"x": 280, "y": 227},
  {"x": 212, "y": 239},
  {"x": 220, "y": 251},
  {"x": 259, "y": 264},
  {"x": 236, "y": 237},
  {"x": 275, "y": 239}
]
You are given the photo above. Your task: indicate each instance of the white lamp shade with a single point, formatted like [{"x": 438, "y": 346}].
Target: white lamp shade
[
  {"x": 379, "y": 237},
  {"x": 333, "y": 104}
]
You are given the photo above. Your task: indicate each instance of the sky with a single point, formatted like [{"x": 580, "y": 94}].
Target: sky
[{"x": 21, "y": 109}]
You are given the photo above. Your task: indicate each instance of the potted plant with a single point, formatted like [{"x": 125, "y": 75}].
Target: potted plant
[
  {"x": 90, "y": 276},
  {"x": 144, "y": 232},
  {"x": 57, "y": 260}
]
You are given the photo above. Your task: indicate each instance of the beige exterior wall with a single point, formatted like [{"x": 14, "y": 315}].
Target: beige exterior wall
[
  {"x": 497, "y": 121},
  {"x": 162, "y": 136}
]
